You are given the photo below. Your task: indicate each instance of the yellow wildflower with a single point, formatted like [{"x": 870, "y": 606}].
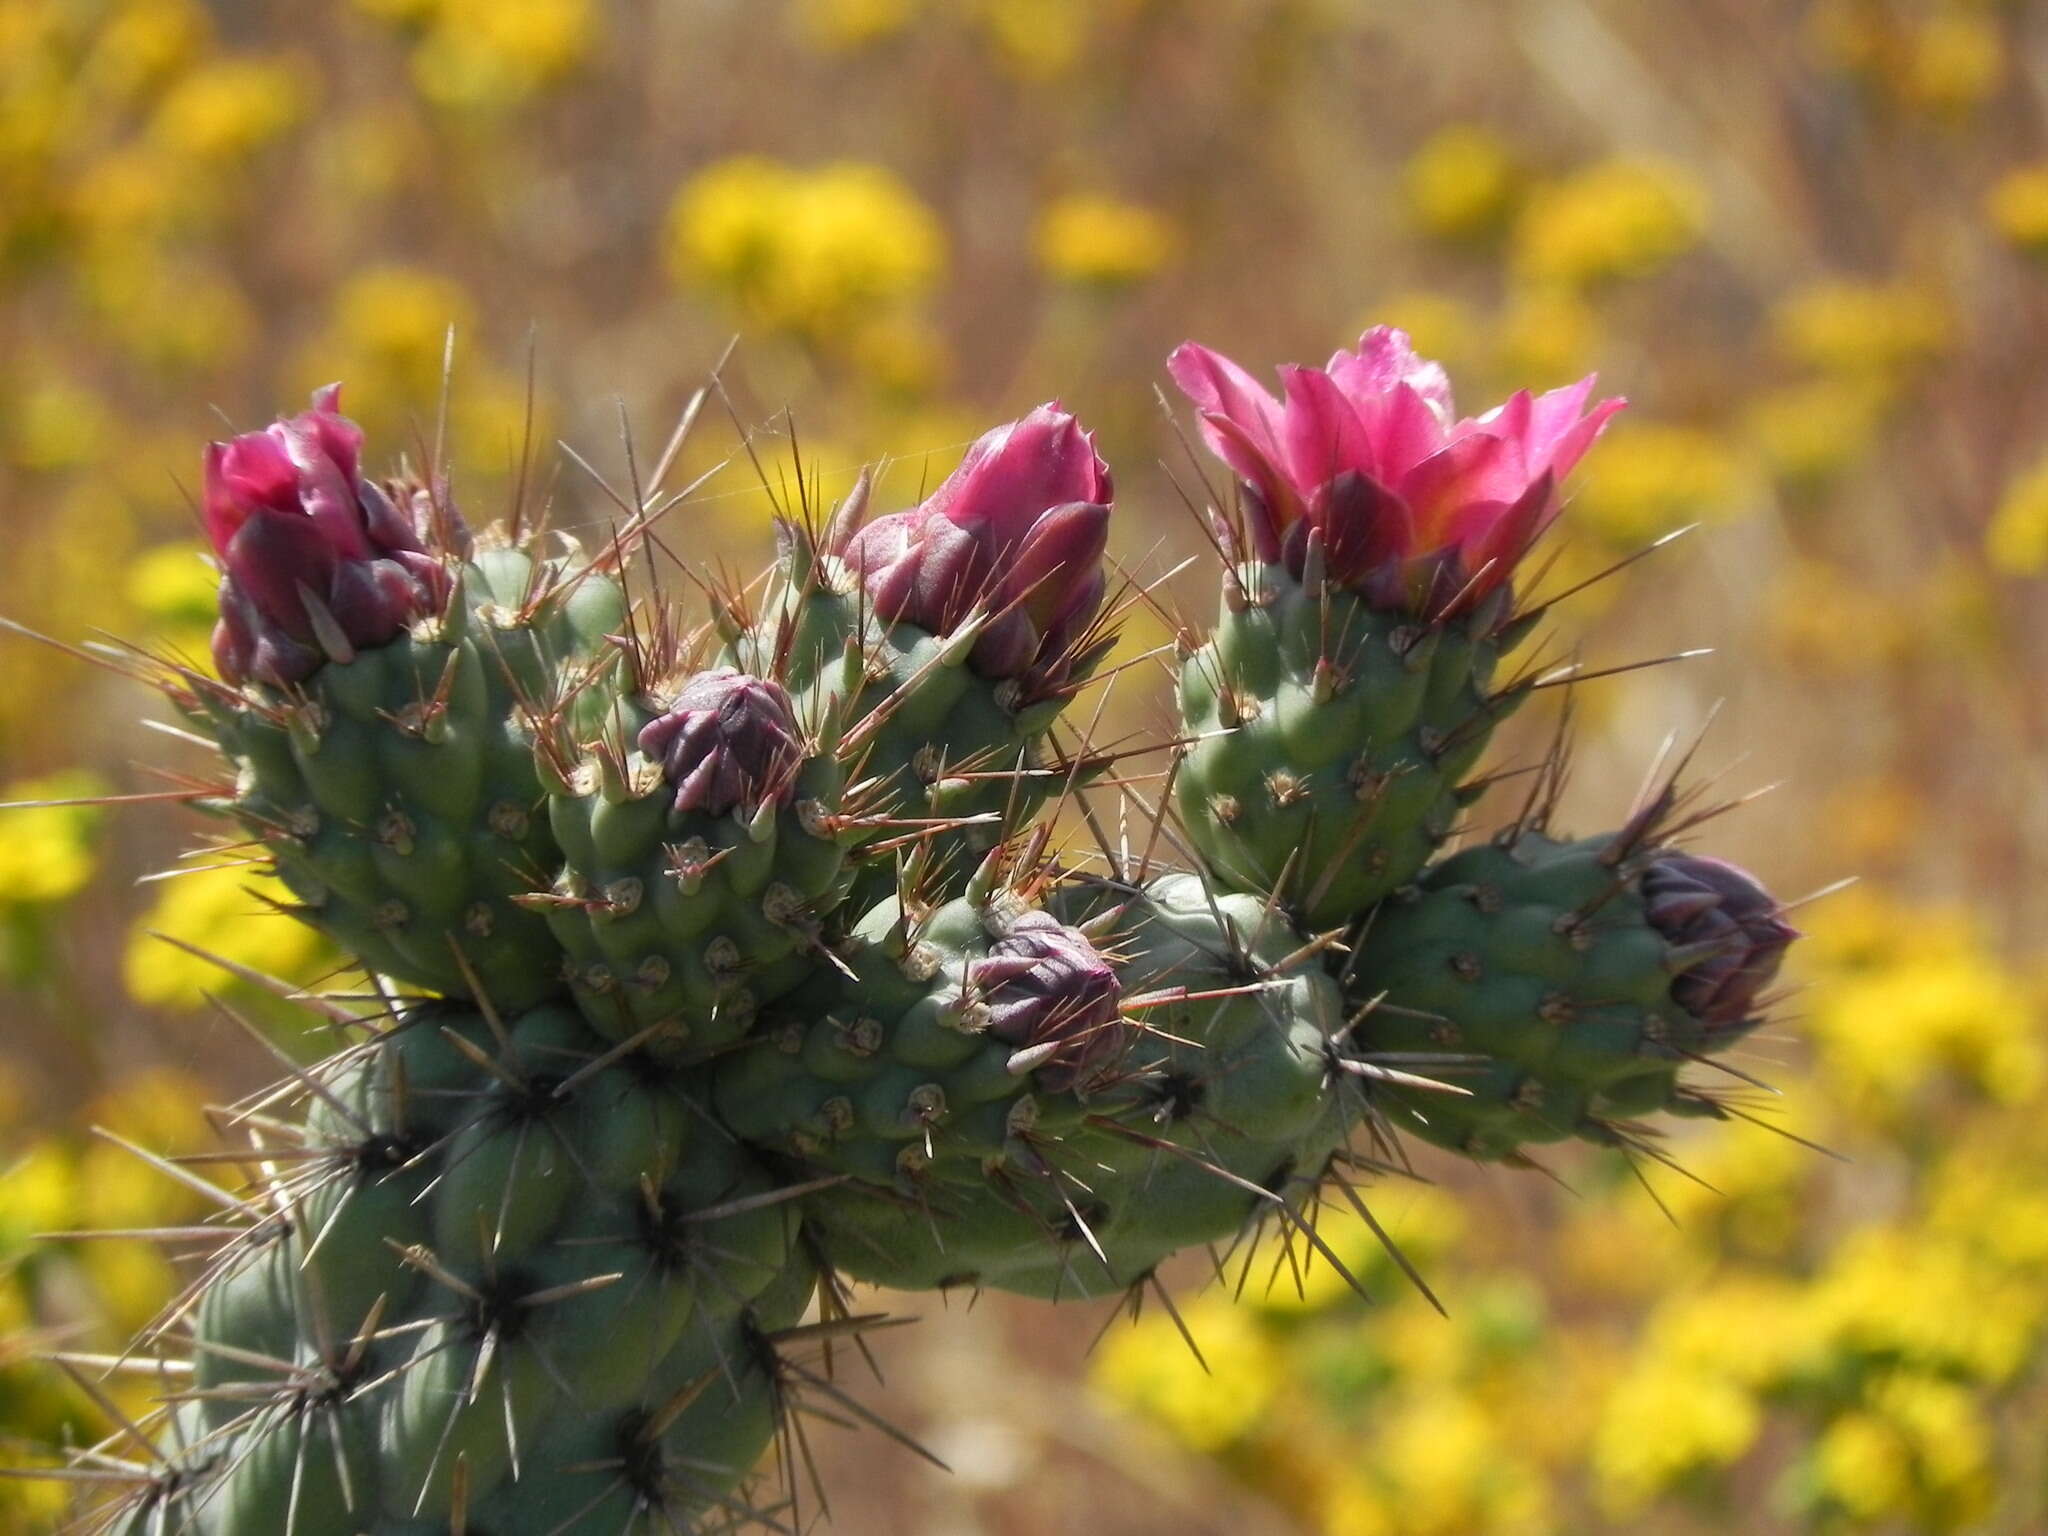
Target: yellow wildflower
[
  {"x": 231, "y": 107},
  {"x": 1851, "y": 328},
  {"x": 492, "y": 54},
  {"x": 38, "y": 1193},
  {"x": 1101, "y": 241},
  {"x": 1461, "y": 184},
  {"x": 1810, "y": 431},
  {"x": 805, "y": 252},
  {"x": 1753, "y": 1329},
  {"x": 2016, "y": 543},
  {"x": 1609, "y": 222},
  {"x": 221, "y": 908},
  {"x": 1036, "y": 39},
  {"x": 1149, "y": 1369},
  {"x": 2018, "y": 206},
  {"x": 845, "y": 26},
  {"x": 1863, "y": 1464},
  {"x": 1663, "y": 1423},
  {"x": 141, "y": 45},
  {"x": 48, "y": 854},
  {"x": 1893, "y": 1294},
  {"x": 57, "y": 425},
  {"x": 1653, "y": 477},
  {"x": 1950, "y": 63},
  {"x": 1546, "y": 335},
  {"x": 1886, "y": 1037}
]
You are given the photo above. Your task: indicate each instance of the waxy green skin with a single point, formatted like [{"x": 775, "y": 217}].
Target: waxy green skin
[
  {"x": 1329, "y": 742},
  {"x": 1535, "y": 958},
  {"x": 942, "y": 741},
  {"x": 397, "y": 793},
  {"x": 687, "y": 920},
  {"x": 1221, "y": 1098},
  {"x": 539, "y": 1251}
]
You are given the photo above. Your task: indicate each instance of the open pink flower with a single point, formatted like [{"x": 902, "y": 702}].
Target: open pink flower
[
  {"x": 315, "y": 559},
  {"x": 1415, "y": 506},
  {"x": 1017, "y": 532}
]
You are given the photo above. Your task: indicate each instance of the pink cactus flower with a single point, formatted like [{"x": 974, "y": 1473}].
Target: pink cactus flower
[
  {"x": 1017, "y": 531},
  {"x": 728, "y": 741},
  {"x": 1416, "y": 507},
  {"x": 316, "y": 561}
]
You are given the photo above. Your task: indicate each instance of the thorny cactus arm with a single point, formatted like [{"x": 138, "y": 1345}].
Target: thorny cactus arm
[{"x": 748, "y": 975}]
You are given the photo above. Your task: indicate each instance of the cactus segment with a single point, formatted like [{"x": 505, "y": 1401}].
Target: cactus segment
[
  {"x": 397, "y": 791},
  {"x": 1573, "y": 999},
  {"x": 1328, "y": 741}
]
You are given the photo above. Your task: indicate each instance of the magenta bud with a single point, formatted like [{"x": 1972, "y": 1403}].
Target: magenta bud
[
  {"x": 1015, "y": 535},
  {"x": 1045, "y": 985},
  {"x": 1730, "y": 930},
  {"x": 728, "y": 741},
  {"x": 303, "y": 539}
]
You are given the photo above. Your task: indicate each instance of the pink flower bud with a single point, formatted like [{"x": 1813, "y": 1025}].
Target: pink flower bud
[
  {"x": 728, "y": 740},
  {"x": 315, "y": 560},
  {"x": 1416, "y": 508},
  {"x": 1729, "y": 929},
  {"x": 1017, "y": 533},
  {"x": 1045, "y": 984}
]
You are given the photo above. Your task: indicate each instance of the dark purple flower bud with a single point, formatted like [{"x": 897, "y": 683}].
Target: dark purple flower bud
[
  {"x": 1726, "y": 931},
  {"x": 1017, "y": 532},
  {"x": 728, "y": 740},
  {"x": 1050, "y": 992},
  {"x": 316, "y": 560}
]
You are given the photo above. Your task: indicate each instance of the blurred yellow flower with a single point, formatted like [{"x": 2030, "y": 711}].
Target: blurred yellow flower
[
  {"x": 1888, "y": 1036},
  {"x": 230, "y": 107},
  {"x": 57, "y": 425},
  {"x": 843, "y": 26},
  {"x": 1951, "y": 62},
  {"x": 1852, "y": 328},
  {"x": 1036, "y": 39},
  {"x": 2016, "y": 543},
  {"x": 1662, "y": 1424},
  {"x": 805, "y": 252},
  {"x": 2018, "y": 206},
  {"x": 1101, "y": 241},
  {"x": 138, "y": 45},
  {"x": 48, "y": 854},
  {"x": 1616, "y": 220},
  {"x": 1650, "y": 478},
  {"x": 1810, "y": 431},
  {"x": 1546, "y": 335},
  {"x": 223, "y": 909},
  {"x": 1462, "y": 183},
  {"x": 1148, "y": 1369},
  {"x": 493, "y": 54}
]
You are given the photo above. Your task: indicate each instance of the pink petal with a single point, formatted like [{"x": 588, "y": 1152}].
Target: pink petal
[
  {"x": 1480, "y": 467},
  {"x": 1385, "y": 359},
  {"x": 1571, "y": 446},
  {"x": 1223, "y": 390},
  {"x": 1322, "y": 436}
]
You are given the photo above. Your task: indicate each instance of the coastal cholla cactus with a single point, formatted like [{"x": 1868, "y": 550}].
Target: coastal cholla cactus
[
  {"x": 1018, "y": 530},
  {"x": 316, "y": 560},
  {"x": 1415, "y": 506},
  {"x": 700, "y": 989},
  {"x": 728, "y": 740},
  {"x": 1709, "y": 908}
]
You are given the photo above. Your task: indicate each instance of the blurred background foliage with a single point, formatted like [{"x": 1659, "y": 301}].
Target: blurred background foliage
[{"x": 1808, "y": 238}]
